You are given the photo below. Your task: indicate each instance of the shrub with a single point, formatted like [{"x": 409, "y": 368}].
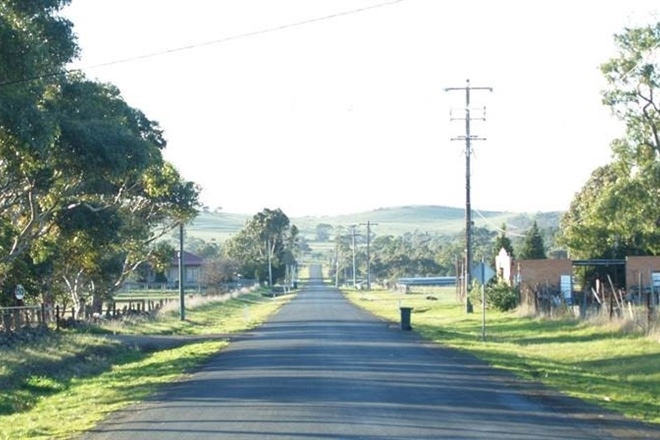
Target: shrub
[
  {"x": 499, "y": 296},
  {"x": 502, "y": 297}
]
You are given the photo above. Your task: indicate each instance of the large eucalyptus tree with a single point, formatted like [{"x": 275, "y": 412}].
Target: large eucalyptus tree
[
  {"x": 84, "y": 189},
  {"x": 617, "y": 212},
  {"x": 35, "y": 46},
  {"x": 117, "y": 194}
]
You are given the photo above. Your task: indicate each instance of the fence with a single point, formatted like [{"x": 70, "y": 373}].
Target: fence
[
  {"x": 133, "y": 306},
  {"x": 130, "y": 286},
  {"x": 13, "y": 318},
  {"x": 641, "y": 304}
]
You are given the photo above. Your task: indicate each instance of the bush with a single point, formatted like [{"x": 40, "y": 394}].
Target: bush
[
  {"x": 502, "y": 297},
  {"x": 499, "y": 296}
]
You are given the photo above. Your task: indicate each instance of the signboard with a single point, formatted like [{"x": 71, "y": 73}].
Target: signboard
[
  {"x": 482, "y": 273},
  {"x": 655, "y": 279},
  {"x": 566, "y": 287},
  {"x": 19, "y": 292}
]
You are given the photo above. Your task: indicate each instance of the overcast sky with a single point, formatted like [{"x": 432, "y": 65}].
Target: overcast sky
[{"x": 325, "y": 107}]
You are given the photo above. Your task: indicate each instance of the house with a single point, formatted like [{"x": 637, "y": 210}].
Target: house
[
  {"x": 556, "y": 276},
  {"x": 192, "y": 269}
]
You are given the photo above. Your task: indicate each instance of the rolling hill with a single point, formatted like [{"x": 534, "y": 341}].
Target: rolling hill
[{"x": 218, "y": 226}]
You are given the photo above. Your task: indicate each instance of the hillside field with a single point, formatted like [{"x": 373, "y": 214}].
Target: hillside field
[{"x": 218, "y": 226}]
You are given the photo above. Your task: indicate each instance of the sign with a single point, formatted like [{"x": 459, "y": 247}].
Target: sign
[
  {"x": 482, "y": 273},
  {"x": 566, "y": 288},
  {"x": 19, "y": 292}
]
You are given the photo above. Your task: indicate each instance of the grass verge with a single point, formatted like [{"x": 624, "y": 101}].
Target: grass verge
[
  {"x": 64, "y": 383},
  {"x": 604, "y": 362}
]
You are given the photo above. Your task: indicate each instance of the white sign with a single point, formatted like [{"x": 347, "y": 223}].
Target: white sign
[{"x": 19, "y": 292}]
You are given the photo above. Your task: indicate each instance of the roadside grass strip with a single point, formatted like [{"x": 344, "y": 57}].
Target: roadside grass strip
[
  {"x": 204, "y": 316},
  {"x": 65, "y": 406},
  {"x": 66, "y": 382},
  {"x": 609, "y": 364}
]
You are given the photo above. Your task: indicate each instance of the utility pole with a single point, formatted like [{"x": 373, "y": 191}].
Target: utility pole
[
  {"x": 369, "y": 225},
  {"x": 468, "y": 138},
  {"x": 182, "y": 293},
  {"x": 336, "y": 264},
  {"x": 353, "y": 237}
]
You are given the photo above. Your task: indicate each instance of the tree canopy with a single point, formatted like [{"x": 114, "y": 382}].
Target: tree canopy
[
  {"x": 266, "y": 248},
  {"x": 84, "y": 189},
  {"x": 502, "y": 242},
  {"x": 533, "y": 246},
  {"x": 617, "y": 212}
]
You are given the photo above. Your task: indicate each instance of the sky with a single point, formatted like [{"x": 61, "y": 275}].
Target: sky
[{"x": 331, "y": 107}]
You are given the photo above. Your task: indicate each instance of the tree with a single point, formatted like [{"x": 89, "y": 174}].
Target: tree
[
  {"x": 482, "y": 243},
  {"x": 533, "y": 247},
  {"x": 84, "y": 190},
  {"x": 413, "y": 254},
  {"x": 587, "y": 226},
  {"x": 502, "y": 241},
  {"x": 113, "y": 154},
  {"x": 217, "y": 272},
  {"x": 341, "y": 258},
  {"x": 36, "y": 46},
  {"x": 323, "y": 231},
  {"x": 109, "y": 195},
  {"x": 207, "y": 250},
  {"x": 617, "y": 212},
  {"x": 267, "y": 246}
]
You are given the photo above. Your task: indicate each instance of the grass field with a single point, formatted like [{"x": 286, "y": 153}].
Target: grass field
[
  {"x": 599, "y": 361},
  {"x": 57, "y": 386}
]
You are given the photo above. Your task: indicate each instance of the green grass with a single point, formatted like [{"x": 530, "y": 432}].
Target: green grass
[
  {"x": 208, "y": 315},
  {"x": 66, "y": 382},
  {"x": 599, "y": 363},
  {"x": 63, "y": 406}
]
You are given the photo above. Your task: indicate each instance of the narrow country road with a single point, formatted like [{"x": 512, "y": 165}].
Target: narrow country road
[{"x": 323, "y": 369}]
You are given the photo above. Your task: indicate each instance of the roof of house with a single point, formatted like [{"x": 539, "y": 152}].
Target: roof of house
[{"x": 188, "y": 259}]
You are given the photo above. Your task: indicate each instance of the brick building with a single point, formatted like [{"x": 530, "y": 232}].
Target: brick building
[{"x": 537, "y": 277}]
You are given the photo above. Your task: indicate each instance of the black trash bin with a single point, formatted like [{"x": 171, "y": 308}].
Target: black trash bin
[{"x": 405, "y": 318}]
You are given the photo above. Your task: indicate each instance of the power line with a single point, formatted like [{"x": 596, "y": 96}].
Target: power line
[
  {"x": 207, "y": 43},
  {"x": 497, "y": 228}
]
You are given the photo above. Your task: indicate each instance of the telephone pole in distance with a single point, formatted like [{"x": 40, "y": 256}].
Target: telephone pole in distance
[
  {"x": 369, "y": 225},
  {"x": 353, "y": 237},
  {"x": 468, "y": 138}
]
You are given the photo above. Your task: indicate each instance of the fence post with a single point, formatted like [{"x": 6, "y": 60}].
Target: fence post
[
  {"x": 6, "y": 321},
  {"x": 649, "y": 311}
]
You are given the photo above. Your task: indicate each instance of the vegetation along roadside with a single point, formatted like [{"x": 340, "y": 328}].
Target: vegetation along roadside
[{"x": 63, "y": 383}]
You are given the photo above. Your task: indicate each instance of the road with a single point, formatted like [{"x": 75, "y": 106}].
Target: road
[{"x": 323, "y": 369}]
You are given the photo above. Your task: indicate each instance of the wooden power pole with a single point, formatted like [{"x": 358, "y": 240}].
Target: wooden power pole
[{"x": 468, "y": 138}]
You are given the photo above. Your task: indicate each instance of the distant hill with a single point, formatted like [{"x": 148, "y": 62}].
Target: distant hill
[
  {"x": 386, "y": 221},
  {"x": 218, "y": 226}
]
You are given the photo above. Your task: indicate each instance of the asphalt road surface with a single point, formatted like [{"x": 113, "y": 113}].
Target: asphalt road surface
[{"x": 323, "y": 369}]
